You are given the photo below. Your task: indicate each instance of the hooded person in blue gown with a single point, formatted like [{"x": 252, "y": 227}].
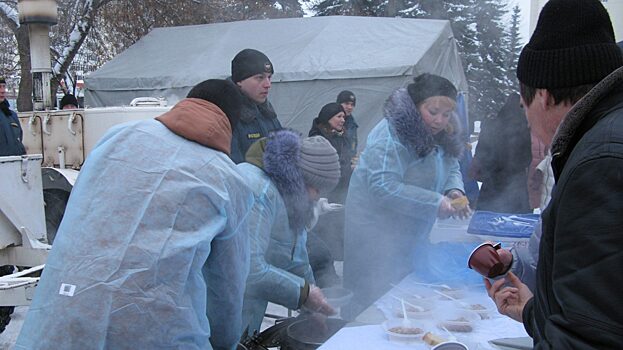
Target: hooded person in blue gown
[
  {"x": 287, "y": 175},
  {"x": 407, "y": 176},
  {"x": 152, "y": 252}
]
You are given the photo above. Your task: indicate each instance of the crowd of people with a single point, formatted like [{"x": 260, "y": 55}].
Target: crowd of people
[{"x": 217, "y": 210}]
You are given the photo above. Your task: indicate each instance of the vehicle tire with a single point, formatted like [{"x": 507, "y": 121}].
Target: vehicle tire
[{"x": 55, "y": 203}]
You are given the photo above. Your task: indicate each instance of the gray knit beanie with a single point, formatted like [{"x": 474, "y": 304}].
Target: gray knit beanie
[{"x": 319, "y": 163}]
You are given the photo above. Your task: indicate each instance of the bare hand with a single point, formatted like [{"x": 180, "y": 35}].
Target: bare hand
[
  {"x": 316, "y": 302},
  {"x": 354, "y": 161},
  {"x": 460, "y": 203},
  {"x": 510, "y": 301},
  {"x": 445, "y": 208}
]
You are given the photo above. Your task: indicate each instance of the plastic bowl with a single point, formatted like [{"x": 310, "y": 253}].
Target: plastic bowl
[
  {"x": 483, "y": 311},
  {"x": 456, "y": 293},
  {"x": 462, "y": 321},
  {"x": 412, "y": 312},
  {"x": 393, "y": 327}
]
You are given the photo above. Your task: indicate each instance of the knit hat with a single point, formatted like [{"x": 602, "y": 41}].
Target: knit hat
[
  {"x": 328, "y": 111},
  {"x": 346, "y": 96},
  {"x": 572, "y": 44},
  {"x": 319, "y": 163},
  {"x": 429, "y": 85},
  {"x": 223, "y": 94},
  {"x": 248, "y": 63},
  {"x": 2, "y": 80},
  {"x": 68, "y": 99}
]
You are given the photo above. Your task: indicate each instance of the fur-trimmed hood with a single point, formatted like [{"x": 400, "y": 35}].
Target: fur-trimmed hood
[
  {"x": 581, "y": 114},
  {"x": 402, "y": 115},
  {"x": 280, "y": 153},
  {"x": 250, "y": 108}
]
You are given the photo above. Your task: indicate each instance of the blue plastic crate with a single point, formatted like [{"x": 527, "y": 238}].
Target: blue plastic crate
[{"x": 502, "y": 224}]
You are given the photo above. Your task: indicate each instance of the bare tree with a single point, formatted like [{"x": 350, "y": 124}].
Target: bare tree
[
  {"x": 91, "y": 32},
  {"x": 76, "y": 18}
]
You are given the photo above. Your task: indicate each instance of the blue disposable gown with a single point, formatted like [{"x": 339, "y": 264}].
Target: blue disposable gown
[
  {"x": 152, "y": 241},
  {"x": 279, "y": 262},
  {"x": 392, "y": 204}
]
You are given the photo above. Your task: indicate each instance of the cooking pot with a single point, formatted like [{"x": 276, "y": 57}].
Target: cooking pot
[{"x": 310, "y": 333}]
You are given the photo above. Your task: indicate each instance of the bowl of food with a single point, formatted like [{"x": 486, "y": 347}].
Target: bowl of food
[
  {"x": 404, "y": 332},
  {"x": 450, "y": 293},
  {"x": 462, "y": 321},
  {"x": 415, "y": 309},
  {"x": 483, "y": 311}
]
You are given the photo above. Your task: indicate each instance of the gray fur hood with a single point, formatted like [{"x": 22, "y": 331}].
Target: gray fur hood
[{"x": 402, "y": 115}]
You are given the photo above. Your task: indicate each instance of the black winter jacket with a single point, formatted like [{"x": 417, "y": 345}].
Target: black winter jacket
[
  {"x": 578, "y": 302},
  {"x": 256, "y": 121},
  {"x": 345, "y": 152},
  {"x": 10, "y": 132}
]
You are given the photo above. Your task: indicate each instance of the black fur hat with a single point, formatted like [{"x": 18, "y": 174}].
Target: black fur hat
[
  {"x": 223, "y": 94},
  {"x": 429, "y": 85}
]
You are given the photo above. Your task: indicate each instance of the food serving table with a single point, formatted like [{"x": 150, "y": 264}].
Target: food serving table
[{"x": 368, "y": 332}]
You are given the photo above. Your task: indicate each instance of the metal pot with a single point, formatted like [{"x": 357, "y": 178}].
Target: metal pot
[{"x": 310, "y": 333}]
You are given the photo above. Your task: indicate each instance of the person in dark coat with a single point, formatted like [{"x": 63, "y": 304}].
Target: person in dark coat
[
  {"x": 10, "y": 128},
  {"x": 326, "y": 241},
  {"x": 252, "y": 72},
  {"x": 348, "y": 101},
  {"x": 10, "y": 145},
  {"x": 577, "y": 301},
  {"x": 501, "y": 161}
]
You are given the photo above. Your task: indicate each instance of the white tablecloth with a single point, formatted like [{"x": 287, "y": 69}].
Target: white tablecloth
[{"x": 373, "y": 336}]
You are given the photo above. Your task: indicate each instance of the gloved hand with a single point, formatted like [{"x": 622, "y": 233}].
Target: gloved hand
[{"x": 324, "y": 206}]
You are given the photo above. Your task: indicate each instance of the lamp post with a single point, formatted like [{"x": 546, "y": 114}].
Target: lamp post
[{"x": 39, "y": 16}]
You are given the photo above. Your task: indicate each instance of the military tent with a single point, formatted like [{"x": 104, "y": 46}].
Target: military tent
[{"x": 314, "y": 59}]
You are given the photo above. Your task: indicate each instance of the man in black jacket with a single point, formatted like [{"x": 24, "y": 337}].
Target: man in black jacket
[
  {"x": 577, "y": 300},
  {"x": 252, "y": 72},
  {"x": 10, "y": 145},
  {"x": 10, "y": 129}
]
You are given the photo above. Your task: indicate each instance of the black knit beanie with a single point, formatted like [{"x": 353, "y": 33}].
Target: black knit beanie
[
  {"x": 223, "y": 93},
  {"x": 328, "y": 111},
  {"x": 346, "y": 96},
  {"x": 429, "y": 85},
  {"x": 572, "y": 44},
  {"x": 68, "y": 99},
  {"x": 248, "y": 63}
]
